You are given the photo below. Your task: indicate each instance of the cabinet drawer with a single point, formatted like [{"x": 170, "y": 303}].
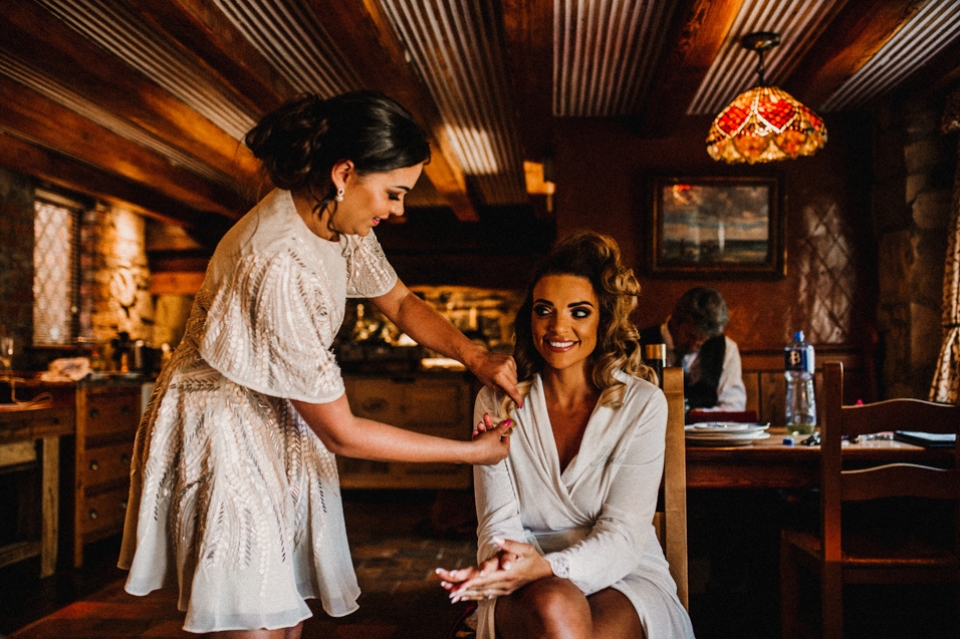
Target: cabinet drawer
[
  {"x": 413, "y": 404},
  {"x": 106, "y": 463},
  {"x": 105, "y": 510},
  {"x": 361, "y": 473},
  {"x": 375, "y": 399},
  {"x": 111, "y": 412}
]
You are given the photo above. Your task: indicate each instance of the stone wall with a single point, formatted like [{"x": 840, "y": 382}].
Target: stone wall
[
  {"x": 119, "y": 281},
  {"x": 16, "y": 259},
  {"x": 913, "y": 168},
  {"x": 114, "y": 280}
]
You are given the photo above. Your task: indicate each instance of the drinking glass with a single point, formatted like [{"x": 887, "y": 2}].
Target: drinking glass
[{"x": 6, "y": 353}]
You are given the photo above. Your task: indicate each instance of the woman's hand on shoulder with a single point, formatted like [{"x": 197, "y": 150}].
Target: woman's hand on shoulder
[
  {"x": 491, "y": 446},
  {"x": 497, "y": 372}
]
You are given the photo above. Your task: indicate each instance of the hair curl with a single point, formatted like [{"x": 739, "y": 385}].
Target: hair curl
[
  {"x": 597, "y": 258},
  {"x": 299, "y": 143}
]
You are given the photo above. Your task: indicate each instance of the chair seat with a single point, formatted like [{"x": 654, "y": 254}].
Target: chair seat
[{"x": 864, "y": 551}]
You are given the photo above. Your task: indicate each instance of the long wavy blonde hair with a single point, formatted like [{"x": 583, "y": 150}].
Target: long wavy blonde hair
[{"x": 597, "y": 258}]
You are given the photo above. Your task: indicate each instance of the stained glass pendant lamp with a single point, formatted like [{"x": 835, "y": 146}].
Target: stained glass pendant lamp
[{"x": 765, "y": 123}]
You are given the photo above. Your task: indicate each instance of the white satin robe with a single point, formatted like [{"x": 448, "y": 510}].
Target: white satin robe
[{"x": 593, "y": 521}]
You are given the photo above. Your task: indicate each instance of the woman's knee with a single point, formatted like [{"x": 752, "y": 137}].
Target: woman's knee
[{"x": 550, "y": 608}]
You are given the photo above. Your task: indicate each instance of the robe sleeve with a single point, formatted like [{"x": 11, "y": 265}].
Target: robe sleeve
[
  {"x": 369, "y": 274},
  {"x": 270, "y": 326},
  {"x": 618, "y": 539},
  {"x": 498, "y": 509}
]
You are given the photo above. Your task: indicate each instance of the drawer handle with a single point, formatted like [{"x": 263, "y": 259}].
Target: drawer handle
[
  {"x": 94, "y": 464},
  {"x": 125, "y": 459},
  {"x": 94, "y": 413},
  {"x": 374, "y": 405},
  {"x": 123, "y": 504},
  {"x": 125, "y": 410},
  {"x": 93, "y": 514}
]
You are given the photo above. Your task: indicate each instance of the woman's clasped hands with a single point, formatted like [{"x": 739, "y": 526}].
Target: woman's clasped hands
[{"x": 515, "y": 565}]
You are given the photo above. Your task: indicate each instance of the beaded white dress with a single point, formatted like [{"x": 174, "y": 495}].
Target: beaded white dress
[{"x": 233, "y": 498}]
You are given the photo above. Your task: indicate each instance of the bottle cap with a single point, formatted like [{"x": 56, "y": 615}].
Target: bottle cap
[
  {"x": 655, "y": 352},
  {"x": 798, "y": 336}
]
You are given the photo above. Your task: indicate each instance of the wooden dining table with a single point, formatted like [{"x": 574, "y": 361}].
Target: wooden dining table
[{"x": 770, "y": 463}]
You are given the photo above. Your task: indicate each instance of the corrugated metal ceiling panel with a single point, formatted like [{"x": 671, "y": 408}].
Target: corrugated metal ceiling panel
[
  {"x": 604, "y": 54},
  {"x": 118, "y": 29},
  {"x": 295, "y": 43},
  {"x": 934, "y": 27},
  {"x": 456, "y": 48},
  {"x": 733, "y": 71}
]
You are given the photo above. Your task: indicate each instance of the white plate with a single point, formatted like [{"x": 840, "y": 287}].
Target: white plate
[
  {"x": 694, "y": 440},
  {"x": 728, "y": 437},
  {"x": 726, "y": 427}
]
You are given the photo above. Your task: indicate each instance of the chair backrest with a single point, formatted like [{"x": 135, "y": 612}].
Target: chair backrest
[
  {"x": 671, "y": 522},
  {"x": 888, "y": 480}
]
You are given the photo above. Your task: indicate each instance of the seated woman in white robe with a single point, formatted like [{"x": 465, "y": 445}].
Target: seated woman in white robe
[{"x": 566, "y": 541}]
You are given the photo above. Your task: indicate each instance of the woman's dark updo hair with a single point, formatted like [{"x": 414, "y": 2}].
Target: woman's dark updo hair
[
  {"x": 299, "y": 143},
  {"x": 597, "y": 258}
]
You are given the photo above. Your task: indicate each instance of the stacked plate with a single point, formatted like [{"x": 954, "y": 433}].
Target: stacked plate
[{"x": 725, "y": 433}]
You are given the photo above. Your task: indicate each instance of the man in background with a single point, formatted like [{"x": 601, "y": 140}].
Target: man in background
[{"x": 694, "y": 339}]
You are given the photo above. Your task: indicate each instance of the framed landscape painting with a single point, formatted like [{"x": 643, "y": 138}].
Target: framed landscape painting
[{"x": 716, "y": 227}]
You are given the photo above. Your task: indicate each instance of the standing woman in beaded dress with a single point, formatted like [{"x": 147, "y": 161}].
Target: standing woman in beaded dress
[{"x": 234, "y": 495}]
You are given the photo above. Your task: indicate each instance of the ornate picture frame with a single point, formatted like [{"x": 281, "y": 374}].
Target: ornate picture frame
[{"x": 716, "y": 227}]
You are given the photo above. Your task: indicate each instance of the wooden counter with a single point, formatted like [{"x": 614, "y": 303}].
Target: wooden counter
[
  {"x": 42, "y": 426},
  {"x": 436, "y": 403},
  {"x": 94, "y": 467}
]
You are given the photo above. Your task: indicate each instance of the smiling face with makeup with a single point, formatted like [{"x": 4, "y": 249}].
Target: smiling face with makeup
[
  {"x": 564, "y": 320},
  {"x": 369, "y": 198}
]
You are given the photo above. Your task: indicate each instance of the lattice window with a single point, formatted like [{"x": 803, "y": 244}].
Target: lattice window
[
  {"x": 828, "y": 275},
  {"x": 55, "y": 273}
]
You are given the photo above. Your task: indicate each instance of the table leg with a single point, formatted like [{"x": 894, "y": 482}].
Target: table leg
[{"x": 50, "y": 505}]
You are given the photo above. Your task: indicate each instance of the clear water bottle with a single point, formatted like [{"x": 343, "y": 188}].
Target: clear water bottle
[{"x": 801, "y": 409}]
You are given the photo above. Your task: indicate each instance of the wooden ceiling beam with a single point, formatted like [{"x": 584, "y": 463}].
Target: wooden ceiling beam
[
  {"x": 855, "y": 35},
  {"x": 528, "y": 43},
  {"x": 69, "y": 173},
  {"x": 691, "y": 47},
  {"x": 528, "y": 31},
  {"x": 35, "y": 118},
  {"x": 203, "y": 30},
  {"x": 365, "y": 37},
  {"x": 38, "y": 39}
]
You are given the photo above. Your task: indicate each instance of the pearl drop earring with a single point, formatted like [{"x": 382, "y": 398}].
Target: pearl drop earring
[{"x": 340, "y": 194}]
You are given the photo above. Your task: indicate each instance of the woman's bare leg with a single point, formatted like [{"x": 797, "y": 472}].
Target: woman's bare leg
[
  {"x": 281, "y": 633},
  {"x": 553, "y": 608},
  {"x": 614, "y": 617},
  {"x": 549, "y": 608}
]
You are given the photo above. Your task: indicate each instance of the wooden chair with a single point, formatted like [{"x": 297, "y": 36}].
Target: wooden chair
[
  {"x": 671, "y": 522},
  {"x": 868, "y": 557}
]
